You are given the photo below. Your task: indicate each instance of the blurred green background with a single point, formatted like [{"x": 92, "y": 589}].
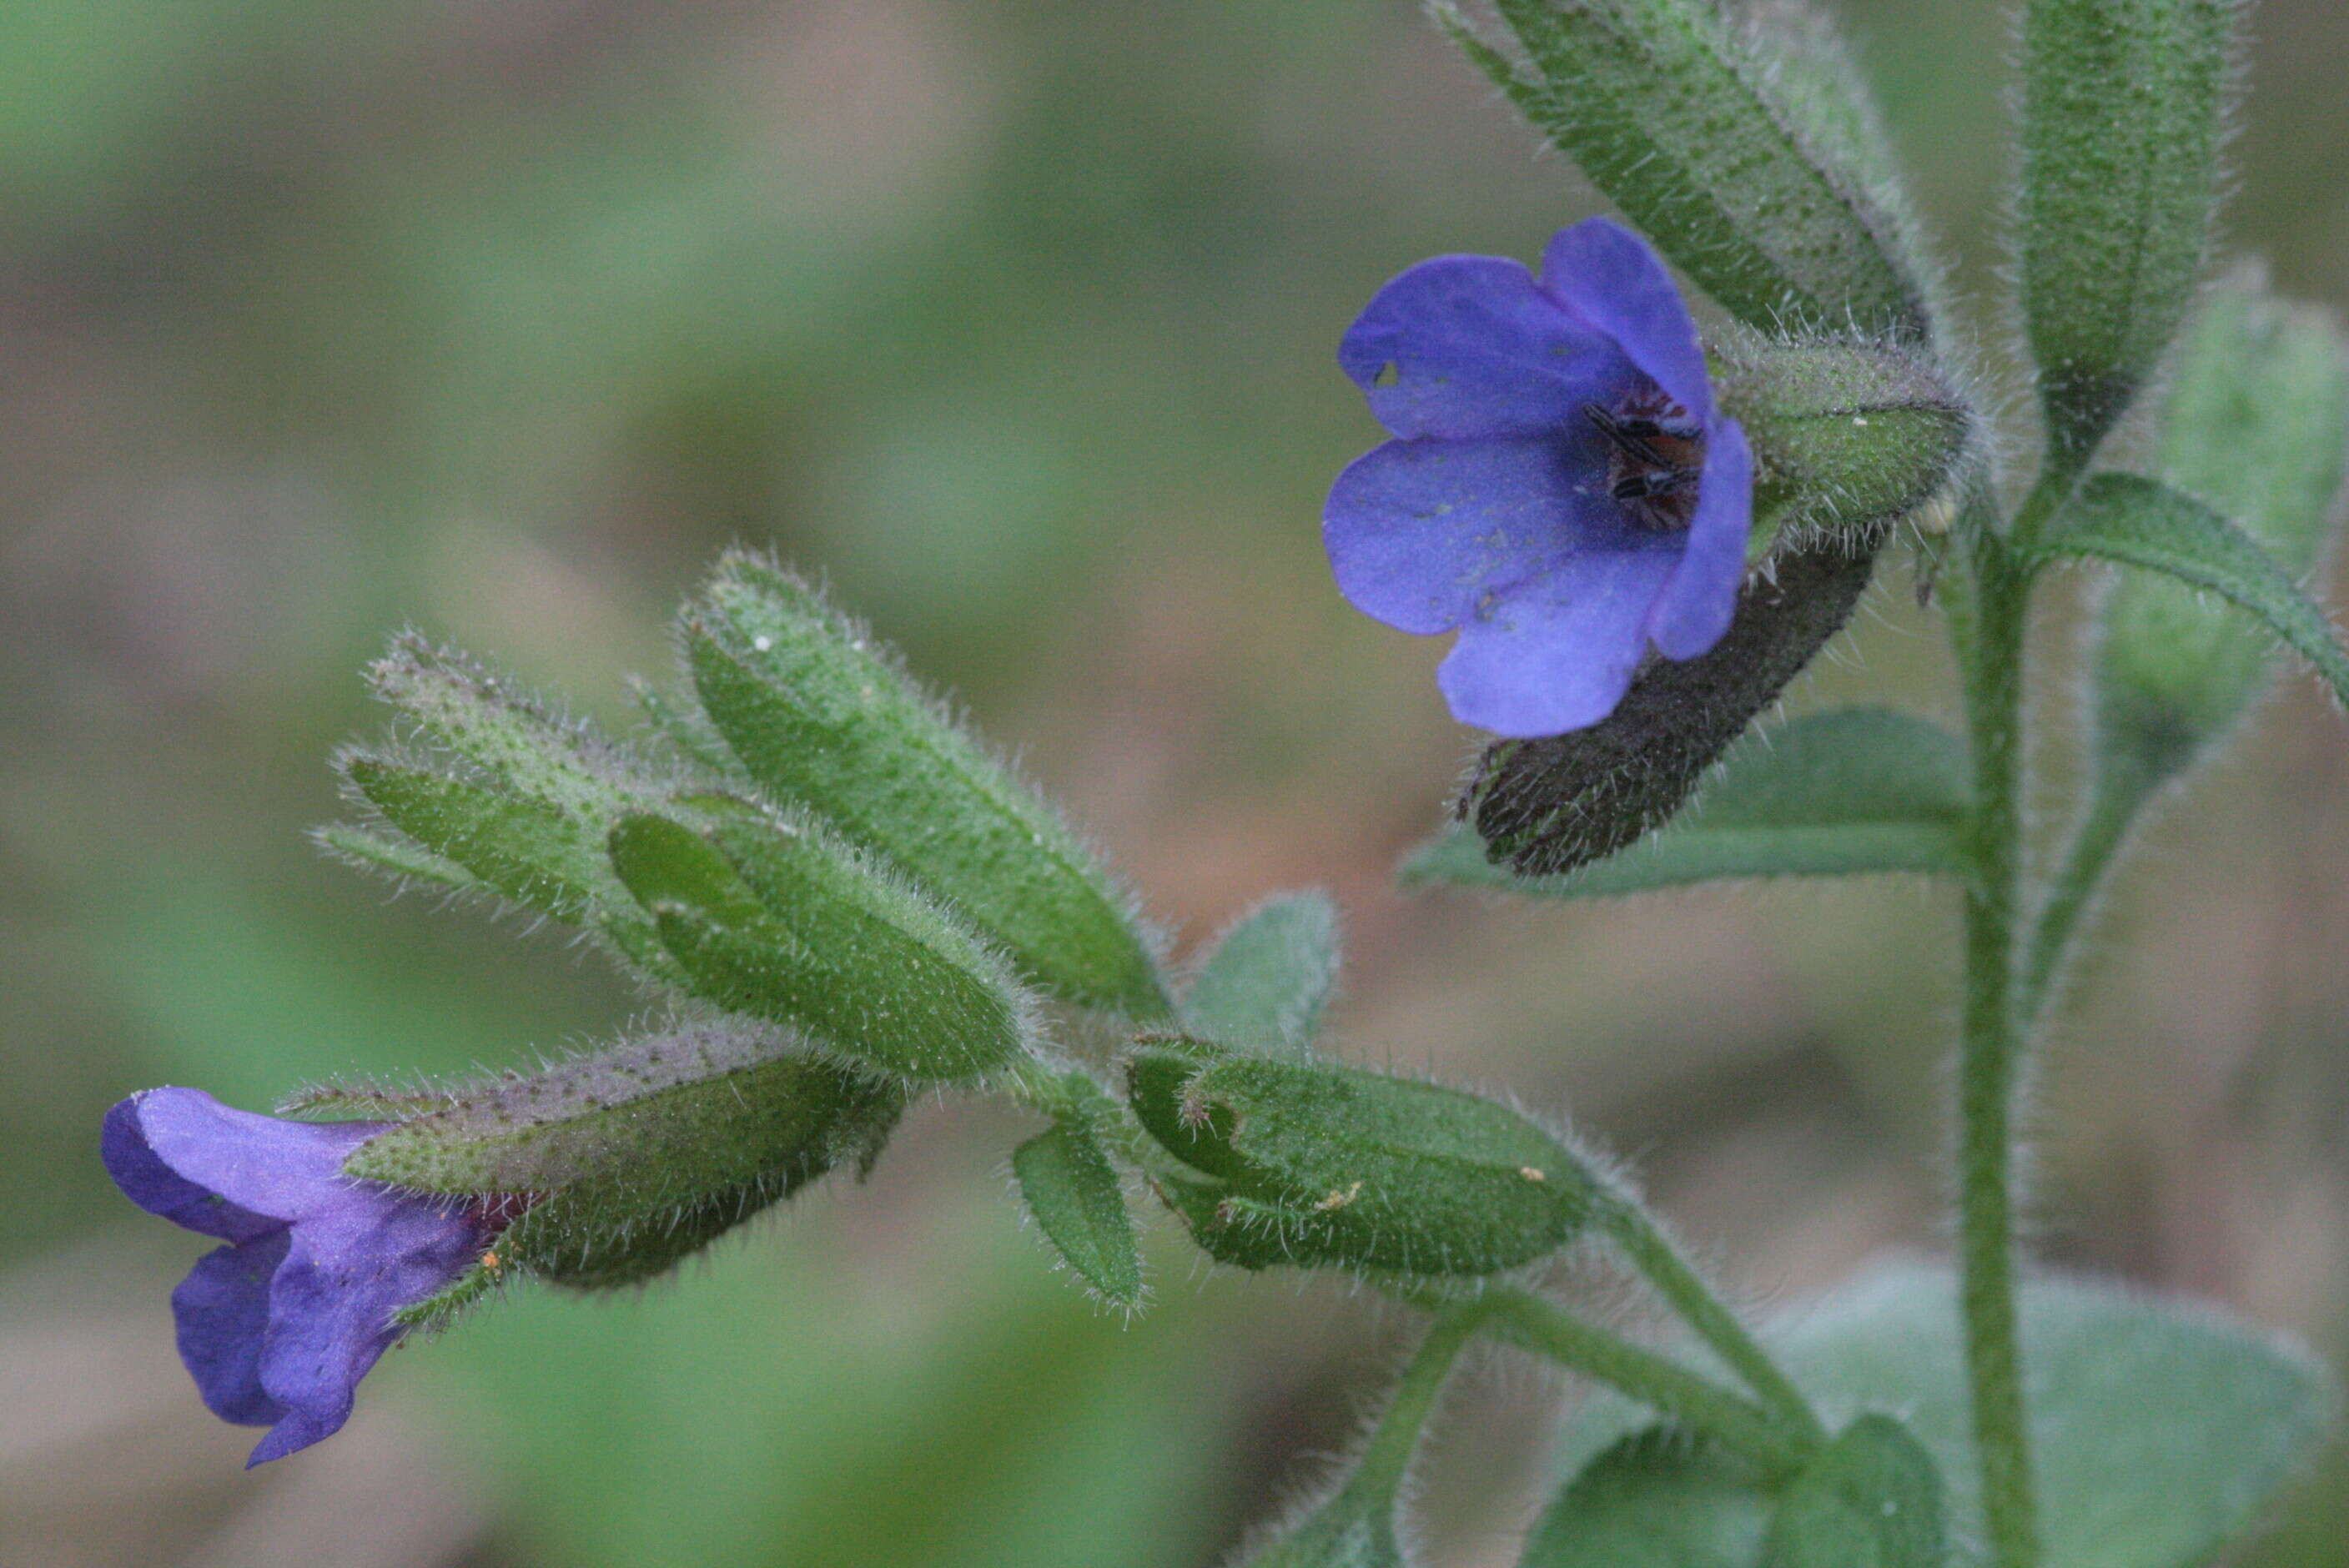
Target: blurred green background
[{"x": 1015, "y": 320}]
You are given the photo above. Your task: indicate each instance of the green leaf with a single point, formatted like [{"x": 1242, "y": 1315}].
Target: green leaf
[
  {"x": 1269, "y": 976},
  {"x": 782, "y": 921},
  {"x": 678, "y": 719},
  {"x": 393, "y": 857},
  {"x": 1871, "y": 1498},
  {"x": 2124, "y": 106},
  {"x": 2256, "y": 422},
  {"x": 817, "y": 716},
  {"x": 512, "y": 737},
  {"x": 2160, "y": 1431},
  {"x": 1823, "y": 93},
  {"x": 1676, "y": 118},
  {"x": 662, "y": 862},
  {"x": 1656, "y": 1499},
  {"x": 1844, "y": 793},
  {"x": 534, "y": 852},
  {"x": 1073, "y": 1191},
  {"x": 2142, "y": 523}
]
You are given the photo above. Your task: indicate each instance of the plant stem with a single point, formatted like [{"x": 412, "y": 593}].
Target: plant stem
[
  {"x": 2054, "y": 486},
  {"x": 1987, "y": 621},
  {"x": 1738, "y": 1424},
  {"x": 1656, "y": 1255},
  {"x": 2119, "y": 793},
  {"x": 1387, "y": 1455}
]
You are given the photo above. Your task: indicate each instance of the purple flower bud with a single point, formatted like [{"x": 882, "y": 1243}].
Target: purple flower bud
[
  {"x": 1563, "y": 489},
  {"x": 279, "y": 1325}
]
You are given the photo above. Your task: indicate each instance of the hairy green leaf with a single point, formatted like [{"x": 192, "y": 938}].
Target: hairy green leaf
[
  {"x": 782, "y": 921},
  {"x": 2256, "y": 423},
  {"x": 2124, "y": 106},
  {"x": 2142, "y": 522},
  {"x": 511, "y": 736},
  {"x": 1676, "y": 115},
  {"x": 1073, "y": 1191},
  {"x": 1657, "y": 1499},
  {"x": 818, "y": 717},
  {"x": 1845, "y": 435},
  {"x": 678, "y": 719},
  {"x": 1871, "y": 1498},
  {"x": 2160, "y": 1431},
  {"x": 394, "y": 857},
  {"x": 1844, "y": 793},
  {"x": 534, "y": 853},
  {"x": 1269, "y": 976}
]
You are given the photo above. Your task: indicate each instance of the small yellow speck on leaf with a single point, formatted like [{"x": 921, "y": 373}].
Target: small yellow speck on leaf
[{"x": 1337, "y": 1200}]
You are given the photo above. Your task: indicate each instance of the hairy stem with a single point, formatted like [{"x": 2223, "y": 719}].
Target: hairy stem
[
  {"x": 2119, "y": 795},
  {"x": 1658, "y": 1257},
  {"x": 1987, "y": 621},
  {"x": 1387, "y": 1455},
  {"x": 1760, "y": 1436}
]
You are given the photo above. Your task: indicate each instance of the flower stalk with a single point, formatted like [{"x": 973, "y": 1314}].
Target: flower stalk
[
  {"x": 1666, "y": 1267},
  {"x": 1762, "y": 1436}
]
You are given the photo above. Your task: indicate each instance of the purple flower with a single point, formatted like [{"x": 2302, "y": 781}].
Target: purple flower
[
  {"x": 279, "y": 1325},
  {"x": 1561, "y": 488}
]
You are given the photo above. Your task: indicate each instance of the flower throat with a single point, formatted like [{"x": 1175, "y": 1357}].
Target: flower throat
[{"x": 1655, "y": 453}]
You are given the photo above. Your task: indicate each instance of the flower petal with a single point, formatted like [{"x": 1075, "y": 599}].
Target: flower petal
[
  {"x": 155, "y": 1187},
  {"x": 283, "y": 1170},
  {"x": 1421, "y": 533},
  {"x": 1612, "y": 279},
  {"x": 297, "y": 1430},
  {"x": 331, "y": 1304},
  {"x": 1558, "y": 653},
  {"x": 1694, "y": 609},
  {"x": 1468, "y": 346},
  {"x": 222, "y": 1310}
]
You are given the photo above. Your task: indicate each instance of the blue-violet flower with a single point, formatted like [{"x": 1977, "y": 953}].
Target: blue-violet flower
[
  {"x": 1561, "y": 488},
  {"x": 279, "y": 1325}
]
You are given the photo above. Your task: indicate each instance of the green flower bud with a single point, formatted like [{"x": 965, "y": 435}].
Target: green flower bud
[
  {"x": 625, "y": 1161},
  {"x": 2254, "y": 424},
  {"x": 776, "y": 917},
  {"x": 1845, "y": 436},
  {"x": 1310, "y": 1164},
  {"x": 2124, "y": 106},
  {"x": 514, "y": 800},
  {"x": 817, "y": 716}
]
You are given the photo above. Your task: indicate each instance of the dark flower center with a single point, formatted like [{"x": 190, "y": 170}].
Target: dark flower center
[{"x": 1655, "y": 456}]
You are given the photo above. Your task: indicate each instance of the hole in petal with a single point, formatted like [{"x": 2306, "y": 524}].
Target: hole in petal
[{"x": 1389, "y": 374}]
